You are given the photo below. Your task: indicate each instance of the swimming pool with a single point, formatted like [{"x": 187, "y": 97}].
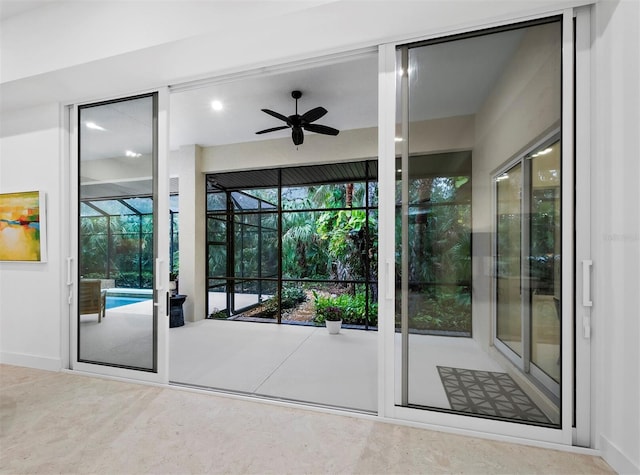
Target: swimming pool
[{"x": 114, "y": 301}]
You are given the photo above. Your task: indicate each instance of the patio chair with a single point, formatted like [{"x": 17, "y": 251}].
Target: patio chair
[{"x": 92, "y": 298}]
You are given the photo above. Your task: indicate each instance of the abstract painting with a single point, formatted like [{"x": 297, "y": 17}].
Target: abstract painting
[{"x": 22, "y": 227}]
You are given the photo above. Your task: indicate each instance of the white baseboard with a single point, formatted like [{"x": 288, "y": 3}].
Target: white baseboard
[
  {"x": 31, "y": 361},
  {"x": 614, "y": 457}
]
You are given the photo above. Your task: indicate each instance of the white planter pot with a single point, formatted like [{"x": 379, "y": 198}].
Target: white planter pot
[{"x": 334, "y": 327}]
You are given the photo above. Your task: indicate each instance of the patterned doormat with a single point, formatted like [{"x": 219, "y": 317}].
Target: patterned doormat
[{"x": 488, "y": 393}]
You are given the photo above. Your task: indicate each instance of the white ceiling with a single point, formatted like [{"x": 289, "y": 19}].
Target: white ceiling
[
  {"x": 347, "y": 89},
  {"x": 10, "y": 8},
  {"x": 447, "y": 79}
]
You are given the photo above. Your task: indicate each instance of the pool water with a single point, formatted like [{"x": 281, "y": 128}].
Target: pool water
[{"x": 113, "y": 302}]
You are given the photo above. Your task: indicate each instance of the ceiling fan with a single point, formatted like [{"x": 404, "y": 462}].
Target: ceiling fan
[{"x": 299, "y": 122}]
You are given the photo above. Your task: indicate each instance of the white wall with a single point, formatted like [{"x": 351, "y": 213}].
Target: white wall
[
  {"x": 84, "y": 66},
  {"x": 31, "y": 294},
  {"x": 615, "y": 202},
  {"x": 438, "y": 135},
  {"x": 192, "y": 245},
  {"x": 84, "y": 31}
]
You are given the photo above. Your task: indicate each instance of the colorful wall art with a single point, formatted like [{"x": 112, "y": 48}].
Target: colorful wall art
[{"x": 22, "y": 226}]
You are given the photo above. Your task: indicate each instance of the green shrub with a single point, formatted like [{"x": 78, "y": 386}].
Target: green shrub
[
  {"x": 291, "y": 296},
  {"x": 219, "y": 315},
  {"x": 132, "y": 280},
  {"x": 444, "y": 312},
  {"x": 352, "y": 308}
]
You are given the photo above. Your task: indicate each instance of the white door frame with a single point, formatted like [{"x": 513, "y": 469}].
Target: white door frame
[
  {"x": 584, "y": 429},
  {"x": 161, "y": 269},
  {"x": 389, "y": 373}
]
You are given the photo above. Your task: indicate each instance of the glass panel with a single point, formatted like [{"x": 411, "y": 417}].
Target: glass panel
[
  {"x": 373, "y": 193},
  {"x": 115, "y": 298},
  {"x": 174, "y": 244},
  {"x": 244, "y": 201},
  {"x": 217, "y": 229},
  {"x": 270, "y": 244},
  {"x": 141, "y": 205},
  {"x": 325, "y": 244},
  {"x": 174, "y": 205},
  {"x": 469, "y": 106},
  {"x": 267, "y": 198},
  {"x": 94, "y": 240},
  {"x": 217, "y": 201},
  {"x": 305, "y": 246},
  {"x": 86, "y": 210},
  {"x": 114, "y": 207},
  {"x": 255, "y": 245},
  {"x": 246, "y": 294},
  {"x": 333, "y": 195},
  {"x": 217, "y": 260},
  {"x": 508, "y": 259},
  {"x": 217, "y": 298},
  {"x": 544, "y": 260}
]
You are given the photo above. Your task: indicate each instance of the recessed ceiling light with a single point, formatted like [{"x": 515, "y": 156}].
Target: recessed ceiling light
[
  {"x": 94, "y": 126},
  {"x": 129, "y": 153},
  {"x": 542, "y": 152},
  {"x": 216, "y": 105},
  {"x": 398, "y": 139}
]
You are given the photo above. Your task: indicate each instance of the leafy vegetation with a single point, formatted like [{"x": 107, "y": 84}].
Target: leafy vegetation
[
  {"x": 445, "y": 311},
  {"x": 120, "y": 247},
  {"x": 291, "y": 297},
  {"x": 351, "y": 307},
  {"x": 328, "y": 234}
]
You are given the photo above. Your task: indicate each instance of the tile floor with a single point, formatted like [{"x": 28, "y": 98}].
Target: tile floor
[
  {"x": 301, "y": 363},
  {"x": 65, "y": 423}
]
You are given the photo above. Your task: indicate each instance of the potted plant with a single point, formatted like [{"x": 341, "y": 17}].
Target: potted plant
[{"x": 333, "y": 319}]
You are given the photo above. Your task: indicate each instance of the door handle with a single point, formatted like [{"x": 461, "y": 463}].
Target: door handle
[
  {"x": 69, "y": 281},
  {"x": 158, "y": 274},
  {"x": 586, "y": 283}
]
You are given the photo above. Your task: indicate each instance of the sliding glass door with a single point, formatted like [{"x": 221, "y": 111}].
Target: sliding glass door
[
  {"x": 528, "y": 263},
  {"x": 122, "y": 245},
  {"x": 468, "y": 106}
]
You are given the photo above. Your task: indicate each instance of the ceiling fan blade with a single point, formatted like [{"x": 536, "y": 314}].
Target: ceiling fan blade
[
  {"x": 297, "y": 135},
  {"x": 321, "y": 129},
  {"x": 272, "y": 129},
  {"x": 314, "y": 114},
  {"x": 277, "y": 115}
]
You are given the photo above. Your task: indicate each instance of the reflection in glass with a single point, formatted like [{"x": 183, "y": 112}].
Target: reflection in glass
[
  {"x": 508, "y": 259},
  {"x": 115, "y": 294},
  {"x": 439, "y": 248},
  {"x": 468, "y": 107},
  {"x": 544, "y": 260}
]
